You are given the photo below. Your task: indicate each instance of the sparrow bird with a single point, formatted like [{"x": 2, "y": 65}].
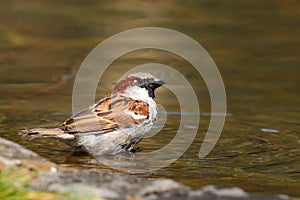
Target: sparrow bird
[{"x": 113, "y": 124}]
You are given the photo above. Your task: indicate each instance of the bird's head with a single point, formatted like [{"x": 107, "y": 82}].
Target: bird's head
[{"x": 135, "y": 82}]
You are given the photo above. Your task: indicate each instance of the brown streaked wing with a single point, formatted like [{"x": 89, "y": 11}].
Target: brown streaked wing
[
  {"x": 107, "y": 115},
  {"x": 87, "y": 120},
  {"x": 119, "y": 104}
]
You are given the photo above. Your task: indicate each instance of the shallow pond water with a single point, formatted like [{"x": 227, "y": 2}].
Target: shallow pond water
[{"x": 254, "y": 44}]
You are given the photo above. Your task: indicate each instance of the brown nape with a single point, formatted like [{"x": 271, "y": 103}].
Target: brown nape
[{"x": 124, "y": 84}]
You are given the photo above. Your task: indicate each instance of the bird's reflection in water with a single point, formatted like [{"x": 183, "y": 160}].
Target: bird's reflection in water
[{"x": 122, "y": 162}]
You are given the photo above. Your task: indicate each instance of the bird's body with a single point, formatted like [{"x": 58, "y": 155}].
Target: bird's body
[{"x": 113, "y": 124}]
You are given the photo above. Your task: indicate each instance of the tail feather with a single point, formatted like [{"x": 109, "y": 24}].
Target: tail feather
[{"x": 44, "y": 132}]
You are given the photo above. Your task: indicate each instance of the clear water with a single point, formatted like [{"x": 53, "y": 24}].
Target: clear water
[{"x": 255, "y": 45}]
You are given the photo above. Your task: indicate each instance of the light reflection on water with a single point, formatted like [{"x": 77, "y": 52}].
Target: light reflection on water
[{"x": 255, "y": 45}]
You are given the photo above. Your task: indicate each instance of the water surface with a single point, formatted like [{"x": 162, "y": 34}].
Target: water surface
[{"x": 255, "y": 45}]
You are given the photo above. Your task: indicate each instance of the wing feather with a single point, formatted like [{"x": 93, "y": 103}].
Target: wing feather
[{"x": 109, "y": 114}]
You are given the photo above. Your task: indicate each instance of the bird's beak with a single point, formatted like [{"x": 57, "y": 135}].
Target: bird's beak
[
  {"x": 158, "y": 83},
  {"x": 153, "y": 86}
]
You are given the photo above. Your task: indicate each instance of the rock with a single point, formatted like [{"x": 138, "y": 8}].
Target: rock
[
  {"x": 216, "y": 193},
  {"x": 105, "y": 184},
  {"x": 12, "y": 155},
  {"x": 12, "y": 150},
  {"x": 108, "y": 185},
  {"x": 162, "y": 185}
]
